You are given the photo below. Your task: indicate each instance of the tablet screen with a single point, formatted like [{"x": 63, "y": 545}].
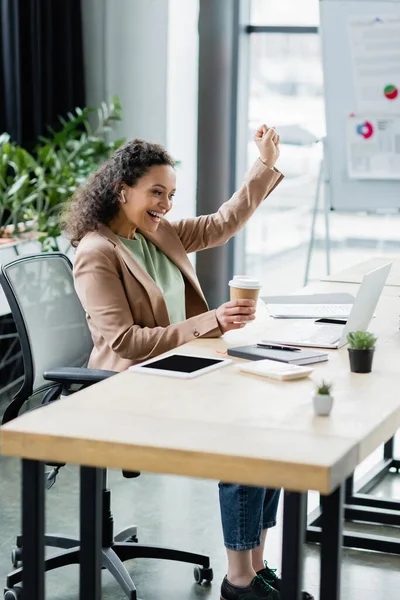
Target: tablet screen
[{"x": 182, "y": 364}]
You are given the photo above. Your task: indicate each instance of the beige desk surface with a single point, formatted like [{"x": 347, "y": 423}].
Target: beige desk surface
[
  {"x": 355, "y": 273},
  {"x": 228, "y": 425}
]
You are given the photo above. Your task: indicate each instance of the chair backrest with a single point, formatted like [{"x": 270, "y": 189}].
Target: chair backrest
[{"x": 49, "y": 317}]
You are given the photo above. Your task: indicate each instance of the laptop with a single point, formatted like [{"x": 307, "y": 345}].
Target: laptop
[{"x": 335, "y": 336}]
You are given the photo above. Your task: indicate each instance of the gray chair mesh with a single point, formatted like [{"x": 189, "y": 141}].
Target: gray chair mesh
[{"x": 53, "y": 315}]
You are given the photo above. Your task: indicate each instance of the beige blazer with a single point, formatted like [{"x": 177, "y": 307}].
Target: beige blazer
[{"x": 125, "y": 309}]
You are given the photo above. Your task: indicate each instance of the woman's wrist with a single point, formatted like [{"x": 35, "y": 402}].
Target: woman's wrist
[{"x": 266, "y": 163}]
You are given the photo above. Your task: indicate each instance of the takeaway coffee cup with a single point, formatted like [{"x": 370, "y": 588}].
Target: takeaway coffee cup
[{"x": 244, "y": 288}]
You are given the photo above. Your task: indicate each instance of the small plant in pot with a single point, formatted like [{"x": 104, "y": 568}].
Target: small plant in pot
[
  {"x": 361, "y": 351},
  {"x": 323, "y": 399}
]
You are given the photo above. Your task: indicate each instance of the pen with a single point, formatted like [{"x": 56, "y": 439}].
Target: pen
[{"x": 276, "y": 347}]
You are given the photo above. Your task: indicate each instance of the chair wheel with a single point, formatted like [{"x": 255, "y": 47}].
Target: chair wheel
[
  {"x": 203, "y": 574},
  {"x": 14, "y": 593},
  {"x": 16, "y": 557}
]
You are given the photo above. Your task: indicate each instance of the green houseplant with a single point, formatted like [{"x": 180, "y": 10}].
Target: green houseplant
[
  {"x": 361, "y": 351},
  {"x": 35, "y": 186},
  {"x": 322, "y": 399},
  {"x": 17, "y": 167}
]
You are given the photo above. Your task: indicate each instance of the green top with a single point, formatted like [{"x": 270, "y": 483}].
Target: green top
[{"x": 164, "y": 272}]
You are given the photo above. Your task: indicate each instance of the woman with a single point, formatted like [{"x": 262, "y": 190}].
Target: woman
[{"x": 142, "y": 298}]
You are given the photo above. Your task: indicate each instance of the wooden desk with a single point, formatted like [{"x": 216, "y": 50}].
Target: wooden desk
[
  {"x": 225, "y": 425},
  {"x": 355, "y": 273},
  {"x": 201, "y": 420},
  {"x": 230, "y": 426}
]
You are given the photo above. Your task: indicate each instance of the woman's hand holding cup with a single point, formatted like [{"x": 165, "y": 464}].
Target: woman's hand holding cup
[
  {"x": 235, "y": 314},
  {"x": 267, "y": 141}
]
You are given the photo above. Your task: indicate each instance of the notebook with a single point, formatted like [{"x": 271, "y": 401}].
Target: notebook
[
  {"x": 290, "y": 355},
  {"x": 273, "y": 369}
]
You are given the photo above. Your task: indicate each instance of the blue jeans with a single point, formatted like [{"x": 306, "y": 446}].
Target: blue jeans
[{"x": 245, "y": 512}]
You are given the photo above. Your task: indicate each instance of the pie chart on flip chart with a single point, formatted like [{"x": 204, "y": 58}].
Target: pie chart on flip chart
[
  {"x": 391, "y": 92},
  {"x": 365, "y": 129}
]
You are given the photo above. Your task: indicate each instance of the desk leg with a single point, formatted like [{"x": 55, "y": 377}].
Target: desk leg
[
  {"x": 294, "y": 525},
  {"x": 331, "y": 544},
  {"x": 33, "y": 529},
  {"x": 91, "y": 534}
]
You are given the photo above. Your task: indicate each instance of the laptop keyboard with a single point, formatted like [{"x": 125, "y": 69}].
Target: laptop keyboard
[
  {"x": 312, "y": 310},
  {"x": 326, "y": 335}
]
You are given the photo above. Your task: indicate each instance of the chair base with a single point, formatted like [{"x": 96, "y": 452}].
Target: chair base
[
  {"x": 113, "y": 558},
  {"x": 115, "y": 550}
]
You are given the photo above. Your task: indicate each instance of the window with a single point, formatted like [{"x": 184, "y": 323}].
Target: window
[
  {"x": 286, "y": 91},
  {"x": 285, "y": 12},
  {"x": 286, "y": 82}
]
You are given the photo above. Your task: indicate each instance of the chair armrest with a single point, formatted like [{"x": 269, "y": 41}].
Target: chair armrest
[
  {"x": 76, "y": 375},
  {"x": 64, "y": 377}
]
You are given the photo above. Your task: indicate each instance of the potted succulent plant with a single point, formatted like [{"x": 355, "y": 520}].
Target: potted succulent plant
[
  {"x": 322, "y": 399},
  {"x": 361, "y": 351}
]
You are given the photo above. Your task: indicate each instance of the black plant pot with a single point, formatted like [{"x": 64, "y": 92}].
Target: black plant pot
[{"x": 361, "y": 360}]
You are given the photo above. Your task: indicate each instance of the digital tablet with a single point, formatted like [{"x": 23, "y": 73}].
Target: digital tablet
[{"x": 180, "y": 365}]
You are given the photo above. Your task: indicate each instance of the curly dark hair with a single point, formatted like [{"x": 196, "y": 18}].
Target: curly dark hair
[{"x": 97, "y": 200}]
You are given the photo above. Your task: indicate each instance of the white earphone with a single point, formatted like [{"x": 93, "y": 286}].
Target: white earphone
[{"x": 123, "y": 196}]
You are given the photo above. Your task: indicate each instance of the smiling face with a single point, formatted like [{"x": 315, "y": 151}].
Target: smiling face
[{"x": 147, "y": 202}]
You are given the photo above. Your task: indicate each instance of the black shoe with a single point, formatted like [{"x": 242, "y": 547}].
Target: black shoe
[
  {"x": 258, "y": 589},
  {"x": 270, "y": 576}
]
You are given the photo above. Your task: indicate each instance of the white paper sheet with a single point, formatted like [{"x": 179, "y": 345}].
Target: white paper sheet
[
  {"x": 373, "y": 147},
  {"x": 375, "y": 52}
]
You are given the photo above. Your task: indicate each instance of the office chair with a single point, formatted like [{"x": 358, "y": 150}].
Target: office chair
[{"x": 56, "y": 344}]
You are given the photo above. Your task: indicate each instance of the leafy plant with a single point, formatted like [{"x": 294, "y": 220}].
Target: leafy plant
[
  {"x": 34, "y": 187},
  {"x": 361, "y": 340},
  {"x": 324, "y": 388},
  {"x": 17, "y": 168}
]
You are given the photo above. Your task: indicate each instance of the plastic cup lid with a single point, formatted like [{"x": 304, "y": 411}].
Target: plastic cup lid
[{"x": 245, "y": 282}]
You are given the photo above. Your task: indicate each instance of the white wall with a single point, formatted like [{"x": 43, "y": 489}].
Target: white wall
[
  {"x": 125, "y": 43},
  {"x": 182, "y": 92},
  {"x": 146, "y": 52}
]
